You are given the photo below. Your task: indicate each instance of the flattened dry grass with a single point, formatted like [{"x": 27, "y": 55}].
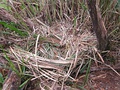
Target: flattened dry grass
[
  {"x": 58, "y": 52},
  {"x": 59, "y": 39}
]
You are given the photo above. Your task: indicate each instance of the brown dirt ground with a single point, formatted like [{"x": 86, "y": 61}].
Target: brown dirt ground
[{"x": 104, "y": 80}]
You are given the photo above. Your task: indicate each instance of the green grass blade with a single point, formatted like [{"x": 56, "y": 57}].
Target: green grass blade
[
  {"x": 12, "y": 66},
  {"x": 1, "y": 78},
  {"x": 23, "y": 84},
  {"x": 13, "y": 28},
  {"x": 87, "y": 72}
]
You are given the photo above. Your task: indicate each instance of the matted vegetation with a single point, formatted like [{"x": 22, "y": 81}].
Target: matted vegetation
[{"x": 51, "y": 43}]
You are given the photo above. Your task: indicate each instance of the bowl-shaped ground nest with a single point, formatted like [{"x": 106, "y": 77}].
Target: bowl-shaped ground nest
[{"x": 58, "y": 50}]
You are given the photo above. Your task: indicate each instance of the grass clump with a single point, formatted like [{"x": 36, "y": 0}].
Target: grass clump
[{"x": 52, "y": 40}]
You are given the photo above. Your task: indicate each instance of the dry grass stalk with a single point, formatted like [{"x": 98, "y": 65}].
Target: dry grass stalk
[{"x": 59, "y": 66}]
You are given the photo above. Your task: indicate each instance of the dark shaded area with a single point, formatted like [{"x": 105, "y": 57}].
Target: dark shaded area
[{"x": 98, "y": 24}]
